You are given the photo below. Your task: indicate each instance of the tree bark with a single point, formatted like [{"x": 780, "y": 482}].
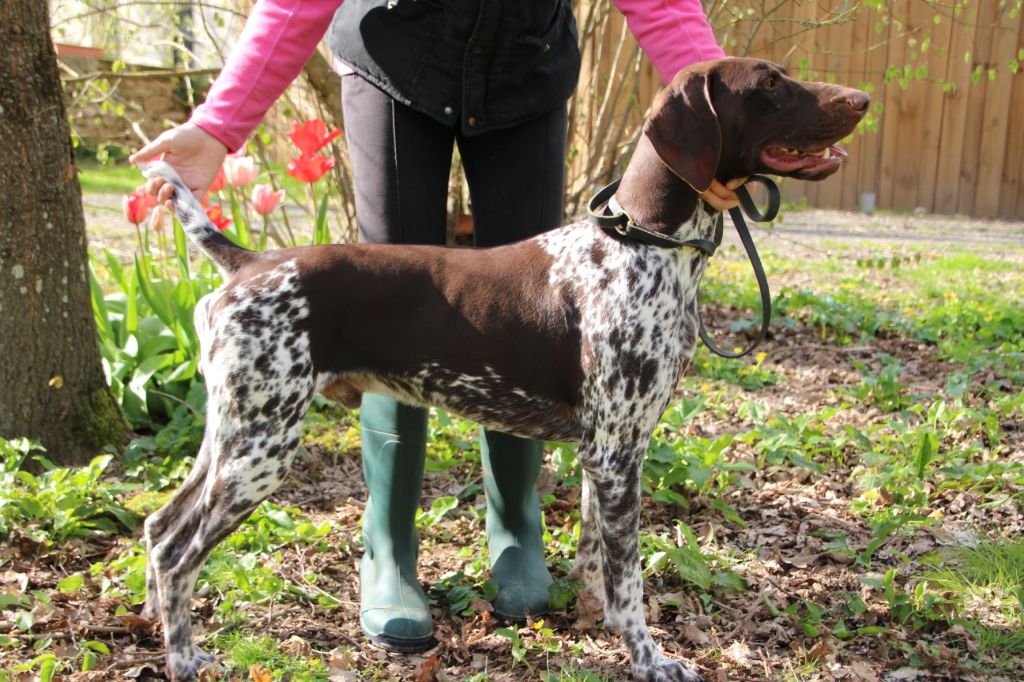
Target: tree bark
[
  {"x": 326, "y": 85},
  {"x": 53, "y": 387}
]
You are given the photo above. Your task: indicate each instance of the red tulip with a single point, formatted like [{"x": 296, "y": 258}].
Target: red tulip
[
  {"x": 311, "y": 135},
  {"x": 239, "y": 170},
  {"x": 135, "y": 207},
  {"x": 265, "y": 199},
  {"x": 217, "y": 217},
  {"x": 218, "y": 182},
  {"x": 309, "y": 167}
]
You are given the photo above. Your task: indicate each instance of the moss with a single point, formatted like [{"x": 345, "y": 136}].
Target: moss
[{"x": 98, "y": 422}]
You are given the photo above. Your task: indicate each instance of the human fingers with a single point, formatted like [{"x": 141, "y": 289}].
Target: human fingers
[
  {"x": 153, "y": 150},
  {"x": 721, "y": 197},
  {"x": 154, "y": 185},
  {"x": 165, "y": 193}
]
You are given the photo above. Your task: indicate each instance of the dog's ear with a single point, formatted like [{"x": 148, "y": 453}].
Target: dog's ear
[{"x": 684, "y": 130}]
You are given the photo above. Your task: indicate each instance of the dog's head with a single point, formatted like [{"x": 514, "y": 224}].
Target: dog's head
[{"x": 733, "y": 117}]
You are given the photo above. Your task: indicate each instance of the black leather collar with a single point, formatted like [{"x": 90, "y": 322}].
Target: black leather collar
[{"x": 619, "y": 223}]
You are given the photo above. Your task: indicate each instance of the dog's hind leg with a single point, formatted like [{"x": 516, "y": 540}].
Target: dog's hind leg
[
  {"x": 250, "y": 450},
  {"x": 615, "y": 471},
  {"x": 159, "y": 523}
]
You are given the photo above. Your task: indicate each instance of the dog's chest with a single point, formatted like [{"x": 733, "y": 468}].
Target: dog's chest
[{"x": 630, "y": 296}]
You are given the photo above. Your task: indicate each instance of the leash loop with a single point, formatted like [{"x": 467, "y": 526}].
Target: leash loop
[
  {"x": 750, "y": 208},
  {"x": 621, "y": 224}
]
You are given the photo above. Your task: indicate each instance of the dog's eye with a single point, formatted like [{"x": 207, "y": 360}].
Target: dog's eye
[{"x": 771, "y": 81}]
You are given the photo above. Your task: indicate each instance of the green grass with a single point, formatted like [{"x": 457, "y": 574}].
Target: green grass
[
  {"x": 243, "y": 651},
  {"x": 985, "y": 586},
  {"x": 122, "y": 179},
  {"x": 99, "y": 179}
]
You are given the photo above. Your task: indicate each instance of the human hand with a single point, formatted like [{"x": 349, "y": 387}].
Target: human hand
[
  {"x": 722, "y": 197},
  {"x": 190, "y": 150}
]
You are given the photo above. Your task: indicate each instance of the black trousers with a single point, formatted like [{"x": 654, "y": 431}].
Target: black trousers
[{"x": 401, "y": 161}]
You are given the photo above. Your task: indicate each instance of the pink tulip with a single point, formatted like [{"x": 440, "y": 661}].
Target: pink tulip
[
  {"x": 240, "y": 170},
  {"x": 135, "y": 207},
  {"x": 156, "y": 218},
  {"x": 265, "y": 199}
]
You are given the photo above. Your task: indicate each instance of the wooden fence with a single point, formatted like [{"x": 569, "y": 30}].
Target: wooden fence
[{"x": 946, "y": 132}]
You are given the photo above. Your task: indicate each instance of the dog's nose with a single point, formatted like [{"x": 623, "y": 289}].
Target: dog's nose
[{"x": 858, "y": 100}]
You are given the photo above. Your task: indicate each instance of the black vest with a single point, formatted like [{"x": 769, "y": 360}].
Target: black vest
[{"x": 478, "y": 64}]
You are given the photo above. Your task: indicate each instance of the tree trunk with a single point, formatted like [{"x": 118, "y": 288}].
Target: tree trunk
[{"x": 52, "y": 386}]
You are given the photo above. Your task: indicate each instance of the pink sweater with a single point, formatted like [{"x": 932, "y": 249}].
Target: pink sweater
[{"x": 280, "y": 36}]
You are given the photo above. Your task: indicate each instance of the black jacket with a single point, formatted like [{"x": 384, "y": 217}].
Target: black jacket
[{"x": 479, "y": 64}]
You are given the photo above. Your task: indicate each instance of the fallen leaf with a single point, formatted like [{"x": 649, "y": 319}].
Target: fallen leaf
[
  {"x": 740, "y": 654},
  {"x": 481, "y": 605},
  {"x": 137, "y": 623},
  {"x": 589, "y": 610},
  {"x": 427, "y": 670},
  {"x": 297, "y": 647},
  {"x": 341, "y": 660},
  {"x": 862, "y": 672},
  {"x": 258, "y": 673},
  {"x": 695, "y": 634},
  {"x": 822, "y": 649}
]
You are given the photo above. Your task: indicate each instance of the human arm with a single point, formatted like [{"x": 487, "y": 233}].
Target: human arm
[{"x": 673, "y": 33}]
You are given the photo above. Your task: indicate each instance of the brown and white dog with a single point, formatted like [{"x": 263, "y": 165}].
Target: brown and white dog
[{"x": 572, "y": 335}]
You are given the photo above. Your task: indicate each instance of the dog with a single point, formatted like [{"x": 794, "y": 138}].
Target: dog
[{"x": 573, "y": 335}]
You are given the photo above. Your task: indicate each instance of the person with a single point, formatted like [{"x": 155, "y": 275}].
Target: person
[{"x": 493, "y": 78}]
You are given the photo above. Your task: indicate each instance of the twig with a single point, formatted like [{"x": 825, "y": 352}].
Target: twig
[
  {"x": 128, "y": 75},
  {"x": 132, "y": 662}
]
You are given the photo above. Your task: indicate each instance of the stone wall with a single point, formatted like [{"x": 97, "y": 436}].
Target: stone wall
[{"x": 113, "y": 110}]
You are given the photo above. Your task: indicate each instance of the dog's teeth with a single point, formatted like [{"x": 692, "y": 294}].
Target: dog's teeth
[{"x": 825, "y": 154}]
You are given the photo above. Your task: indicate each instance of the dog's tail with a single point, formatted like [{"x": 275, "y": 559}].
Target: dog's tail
[{"x": 228, "y": 256}]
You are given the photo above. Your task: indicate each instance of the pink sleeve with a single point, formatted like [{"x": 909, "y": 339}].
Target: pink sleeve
[
  {"x": 278, "y": 39},
  {"x": 673, "y": 33}
]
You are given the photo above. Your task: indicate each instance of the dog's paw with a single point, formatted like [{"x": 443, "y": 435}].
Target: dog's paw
[
  {"x": 185, "y": 667},
  {"x": 665, "y": 669}
]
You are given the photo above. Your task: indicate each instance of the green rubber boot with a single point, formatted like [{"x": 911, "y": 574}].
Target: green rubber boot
[
  {"x": 515, "y": 533},
  {"x": 393, "y": 609}
]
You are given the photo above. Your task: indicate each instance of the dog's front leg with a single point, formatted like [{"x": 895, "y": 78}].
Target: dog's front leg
[
  {"x": 588, "y": 565},
  {"x": 616, "y": 472}
]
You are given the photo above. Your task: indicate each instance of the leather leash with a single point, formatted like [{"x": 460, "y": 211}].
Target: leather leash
[{"x": 619, "y": 223}]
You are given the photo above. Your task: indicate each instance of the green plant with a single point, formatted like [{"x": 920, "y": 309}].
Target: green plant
[
  {"x": 61, "y": 502},
  {"x": 882, "y": 389},
  {"x": 459, "y": 593}
]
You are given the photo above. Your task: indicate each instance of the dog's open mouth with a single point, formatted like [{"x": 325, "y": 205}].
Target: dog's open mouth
[{"x": 809, "y": 164}]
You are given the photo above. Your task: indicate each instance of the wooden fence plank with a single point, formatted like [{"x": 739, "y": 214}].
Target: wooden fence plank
[
  {"x": 977, "y": 104},
  {"x": 1011, "y": 195},
  {"x": 948, "y": 181},
  {"x": 890, "y": 139},
  {"x": 934, "y": 47},
  {"x": 996, "y": 115}
]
